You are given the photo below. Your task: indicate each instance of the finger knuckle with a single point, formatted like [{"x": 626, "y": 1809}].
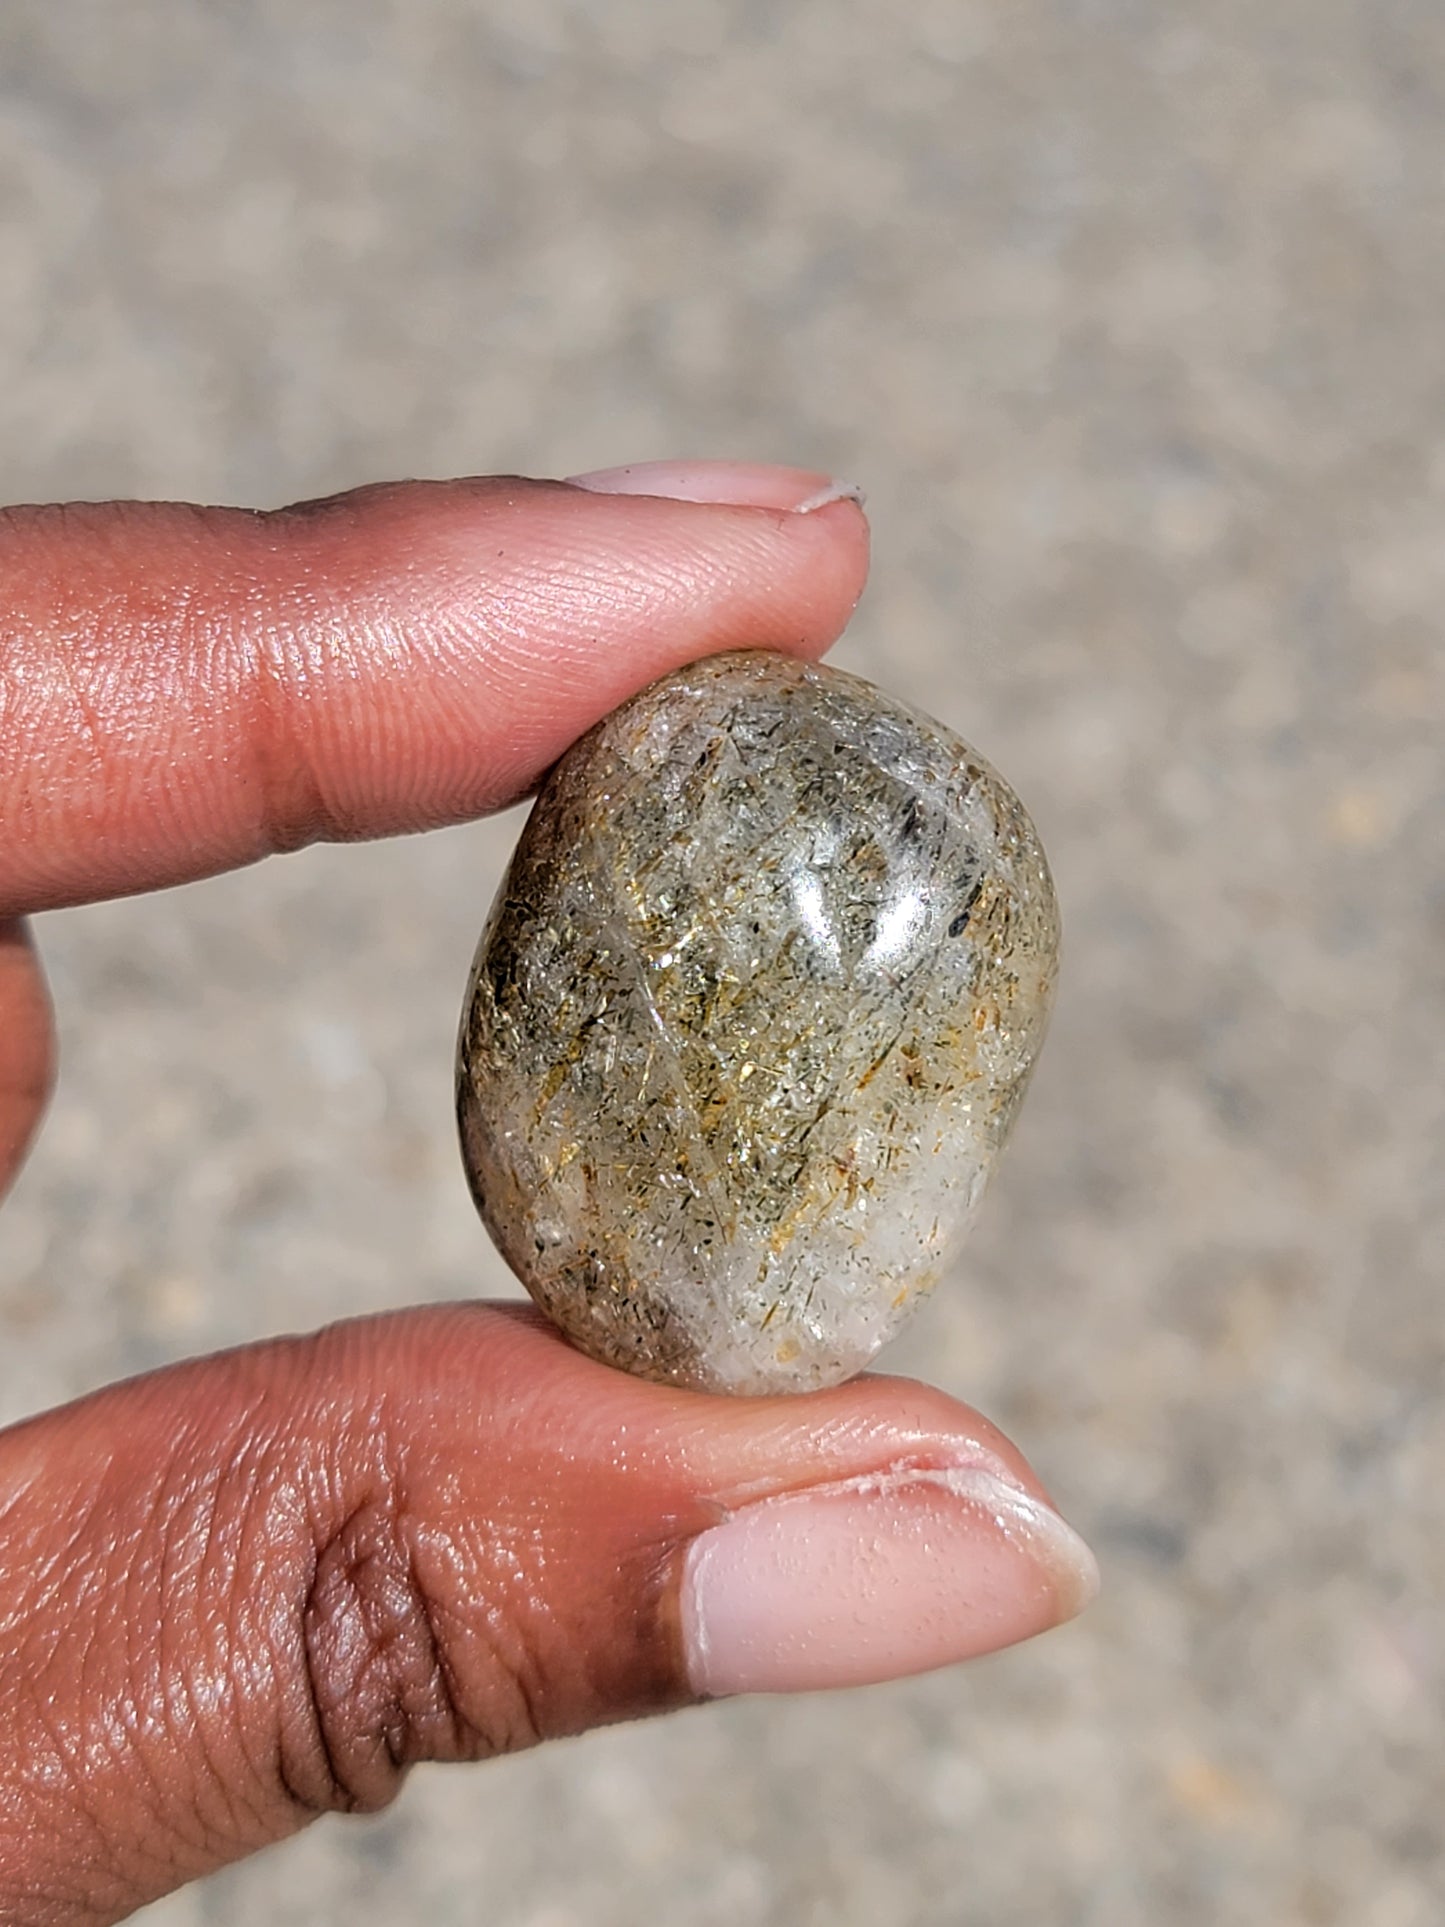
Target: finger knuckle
[
  {"x": 391, "y": 1675},
  {"x": 374, "y": 1671},
  {"x": 278, "y": 672}
]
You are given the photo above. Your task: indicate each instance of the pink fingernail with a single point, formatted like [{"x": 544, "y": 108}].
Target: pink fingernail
[
  {"x": 875, "y": 1579},
  {"x": 741, "y": 484}
]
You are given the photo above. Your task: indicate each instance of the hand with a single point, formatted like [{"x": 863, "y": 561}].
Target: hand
[{"x": 254, "y": 1588}]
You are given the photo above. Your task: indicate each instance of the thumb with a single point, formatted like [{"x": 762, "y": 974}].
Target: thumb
[{"x": 255, "y": 1588}]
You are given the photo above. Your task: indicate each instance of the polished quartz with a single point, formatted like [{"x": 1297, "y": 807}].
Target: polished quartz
[{"x": 750, "y": 1021}]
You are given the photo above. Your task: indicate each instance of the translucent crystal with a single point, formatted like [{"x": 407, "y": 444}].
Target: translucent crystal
[{"x": 749, "y": 1023}]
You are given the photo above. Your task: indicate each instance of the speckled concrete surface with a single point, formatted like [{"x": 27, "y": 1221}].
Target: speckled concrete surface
[{"x": 1128, "y": 318}]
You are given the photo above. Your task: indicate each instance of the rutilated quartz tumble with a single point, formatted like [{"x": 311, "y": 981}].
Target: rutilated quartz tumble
[{"x": 749, "y": 1023}]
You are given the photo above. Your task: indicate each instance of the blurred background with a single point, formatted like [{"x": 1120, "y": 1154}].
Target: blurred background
[{"x": 1129, "y": 320}]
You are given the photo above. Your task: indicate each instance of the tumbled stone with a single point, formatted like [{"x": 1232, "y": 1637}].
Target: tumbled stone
[{"x": 749, "y": 1023}]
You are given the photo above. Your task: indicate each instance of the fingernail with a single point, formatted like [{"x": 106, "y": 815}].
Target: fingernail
[
  {"x": 742, "y": 484},
  {"x": 845, "y": 1585}
]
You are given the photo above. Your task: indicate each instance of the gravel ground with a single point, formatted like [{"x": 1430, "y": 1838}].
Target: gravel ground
[{"x": 1128, "y": 319}]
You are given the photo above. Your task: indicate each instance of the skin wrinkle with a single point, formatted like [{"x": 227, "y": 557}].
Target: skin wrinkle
[
  {"x": 259, "y": 1755},
  {"x": 366, "y": 1606},
  {"x": 73, "y": 1749},
  {"x": 54, "y": 1566},
  {"x": 135, "y": 1718},
  {"x": 430, "y": 1614},
  {"x": 513, "y": 1716},
  {"x": 279, "y": 1524},
  {"x": 274, "y": 666},
  {"x": 331, "y": 1643},
  {"x": 481, "y": 1569},
  {"x": 69, "y": 685},
  {"x": 306, "y": 1773},
  {"x": 404, "y": 1637},
  {"x": 152, "y": 1717},
  {"x": 204, "y": 1691}
]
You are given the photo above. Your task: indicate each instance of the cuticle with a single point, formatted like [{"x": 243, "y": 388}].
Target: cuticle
[{"x": 899, "y": 1473}]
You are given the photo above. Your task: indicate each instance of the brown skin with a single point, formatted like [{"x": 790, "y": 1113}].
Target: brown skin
[{"x": 254, "y": 1588}]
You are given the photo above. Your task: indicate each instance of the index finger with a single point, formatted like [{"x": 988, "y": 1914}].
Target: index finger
[{"x": 185, "y": 690}]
